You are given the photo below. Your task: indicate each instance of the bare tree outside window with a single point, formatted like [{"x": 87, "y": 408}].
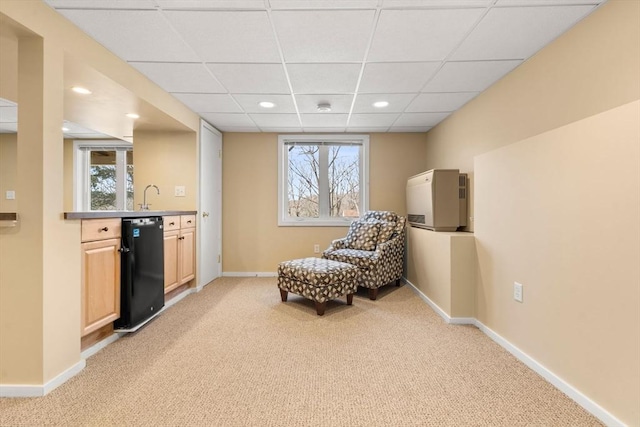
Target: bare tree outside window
[{"x": 343, "y": 173}]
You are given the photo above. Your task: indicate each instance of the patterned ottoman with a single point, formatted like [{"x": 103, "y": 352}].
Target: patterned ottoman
[{"x": 318, "y": 279}]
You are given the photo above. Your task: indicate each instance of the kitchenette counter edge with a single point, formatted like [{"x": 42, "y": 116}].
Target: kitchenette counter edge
[{"x": 123, "y": 214}]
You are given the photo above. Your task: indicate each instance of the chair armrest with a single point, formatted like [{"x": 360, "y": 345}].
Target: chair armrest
[
  {"x": 339, "y": 244},
  {"x": 385, "y": 248},
  {"x": 335, "y": 245}
]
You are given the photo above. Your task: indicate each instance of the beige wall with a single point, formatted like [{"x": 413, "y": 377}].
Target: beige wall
[
  {"x": 68, "y": 175},
  {"x": 40, "y": 267},
  {"x": 557, "y": 205},
  {"x": 166, "y": 159},
  {"x": 559, "y": 213},
  {"x": 252, "y": 240},
  {"x": 9, "y": 66}
]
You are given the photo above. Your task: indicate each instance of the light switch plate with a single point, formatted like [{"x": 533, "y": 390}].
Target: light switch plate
[
  {"x": 180, "y": 191},
  {"x": 10, "y": 195}
]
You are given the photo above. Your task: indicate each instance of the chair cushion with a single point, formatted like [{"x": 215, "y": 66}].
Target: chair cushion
[
  {"x": 386, "y": 231},
  {"x": 381, "y": 215},
  {"x": 361, "y": 259},
  {"x": 363, "y": 235}
]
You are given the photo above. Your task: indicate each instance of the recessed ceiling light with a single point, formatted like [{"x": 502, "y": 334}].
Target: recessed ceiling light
[
  {"x": 323, "y": 108},
  {"x": 81, "y": 90},
  {"x": 65, "y": 129},
  {"x": 381, "y": 104},
  {"x": 133, "y": 116},
  {"x": 266, "y": 104}
]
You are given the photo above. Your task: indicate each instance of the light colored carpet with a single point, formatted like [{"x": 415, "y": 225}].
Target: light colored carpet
[{"x": 235, "y": 355}]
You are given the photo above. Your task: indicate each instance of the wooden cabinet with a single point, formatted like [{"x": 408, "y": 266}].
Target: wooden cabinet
[
  {"x": 179, "y": 250},
  {"x": 100, "y": 284}
]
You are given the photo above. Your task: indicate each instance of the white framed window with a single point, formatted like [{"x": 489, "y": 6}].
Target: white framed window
[
  {"x": 323, "y": 180},
  {"x": 103, "y": 175}
]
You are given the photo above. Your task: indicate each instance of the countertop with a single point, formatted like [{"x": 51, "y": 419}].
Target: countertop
[{"x": 123, "y": 214}]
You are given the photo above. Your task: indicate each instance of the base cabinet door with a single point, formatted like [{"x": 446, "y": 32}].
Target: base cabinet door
[
  {"x": 100, "y": 284},
  {"x": 187, "y": 254},
  {"x": 171, "y": 265},
  {"x": 179, "y": 251}
]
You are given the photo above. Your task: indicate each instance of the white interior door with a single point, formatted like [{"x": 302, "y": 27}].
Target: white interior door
[{"x": 210, "y": 205}]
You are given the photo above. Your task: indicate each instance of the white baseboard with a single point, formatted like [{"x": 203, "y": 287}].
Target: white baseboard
[
  {"x": 88, "y": 352},
  {"x": 20, "y": 390},
  {"x": 249, "y": 274},
  {"x": 179, "y": 297},
  {"x": 438, "y": 310},
  {"x": 593, "y": 408},
  {"x": 582, "y": 400}
]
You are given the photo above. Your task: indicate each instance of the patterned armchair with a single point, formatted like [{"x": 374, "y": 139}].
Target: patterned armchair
[{"x": 375, "y": 244}]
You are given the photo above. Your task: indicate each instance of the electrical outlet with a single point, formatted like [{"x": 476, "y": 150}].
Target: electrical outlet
[
  {"x": 517, "y": 291},
  {"x": 180, "y": 191},
  {"x": 10, "y": 195},
  {"x": 316, "y": 249}
]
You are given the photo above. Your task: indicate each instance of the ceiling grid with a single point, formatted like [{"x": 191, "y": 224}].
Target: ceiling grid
[{"x": 426, "y": 58}]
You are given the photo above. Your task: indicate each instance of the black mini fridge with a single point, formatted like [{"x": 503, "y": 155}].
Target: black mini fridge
[{"x": 142, "y": 278}]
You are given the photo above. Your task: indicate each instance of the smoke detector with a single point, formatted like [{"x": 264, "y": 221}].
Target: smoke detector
[{"x": 324, "y": 107}]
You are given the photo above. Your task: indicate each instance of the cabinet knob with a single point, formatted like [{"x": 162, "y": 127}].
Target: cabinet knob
[
  {"x": 189, "y": 222},
  {"x": 172, "y": 223},
  {"x": 104, "y": 229}
]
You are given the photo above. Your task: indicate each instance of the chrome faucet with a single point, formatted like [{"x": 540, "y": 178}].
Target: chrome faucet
[{"x": 144, "y": 206}]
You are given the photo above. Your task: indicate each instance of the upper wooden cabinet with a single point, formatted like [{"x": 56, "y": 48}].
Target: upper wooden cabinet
[
  {"x": 100, "y": 284},
  {"x": 179, "y": 250}
]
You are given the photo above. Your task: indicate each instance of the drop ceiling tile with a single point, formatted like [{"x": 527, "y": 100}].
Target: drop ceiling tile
[
  {"x": 437, "y": 102},
  {"x": 238, "y": 129},
  {"x": 420, "y": 35},
  {"x": 251, "y": 78},
  {"x": 275, "y": 120},
  {"x": 518, "y": 32},
  {"x": 101, "y": 4},
  {"x": 324, "y": 130},
  {"x": 370, "y": 129},
  {"x": 545, "y": 2},
  {"x": 324, "y": 120},
  {"x": 323, "y": 36},
  {"x": 397, "y": 102},
  {"x": 133, "y": 35},
  {"x": 225, "y": 120},
  {"x": 180, "y": 77},
  {"x": 472, "y": 76},
  {"x": 419, "y": 119},
  {"x": 396, "y": 77},
  {"x": 227, "y": 36},
  {"x": 209, "y": 103},
  {"x": 211, "y": 4},
  {"x": 410, "y": 129},
  {"x": 323, "y": 4},
  {"x": 281, "y": 129},
  {"x": 374, "y": 120},
  {"x": 436, "y": 3},
  {"x": 249, "y": 102},
  {"x": 323, "y": 78},
  {"x": 309, "y": 103}
]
